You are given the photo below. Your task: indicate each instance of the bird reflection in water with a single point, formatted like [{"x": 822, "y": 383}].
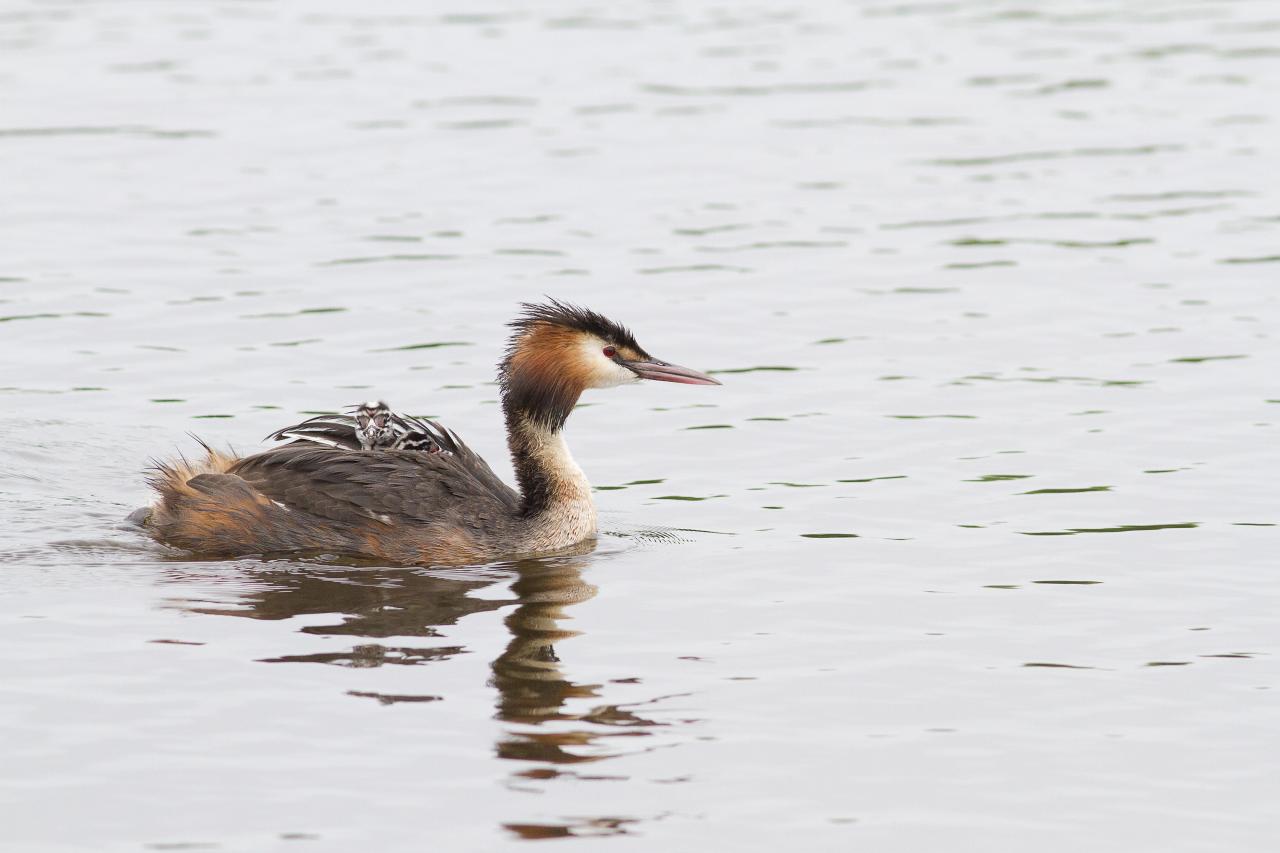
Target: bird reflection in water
[{"x": 532, "y": 687}]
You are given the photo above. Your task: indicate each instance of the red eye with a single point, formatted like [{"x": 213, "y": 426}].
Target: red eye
[{"x": 610, "y": 352}]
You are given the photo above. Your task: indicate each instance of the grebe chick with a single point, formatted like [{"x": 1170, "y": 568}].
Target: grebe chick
[
  {"x": 323, "y": 493},
  {"x": 372, "y": 426}
]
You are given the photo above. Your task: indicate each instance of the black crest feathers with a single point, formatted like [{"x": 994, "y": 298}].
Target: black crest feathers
[
  {"x": 539, "y": 390},
  {"x": 556, "y": 313}
]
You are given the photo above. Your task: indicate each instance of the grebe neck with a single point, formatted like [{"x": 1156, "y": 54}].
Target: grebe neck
[
  {"x": 555, "y": 495},
  {"x": 545, "y": 469},
  {"x": 539, "y": 390}
]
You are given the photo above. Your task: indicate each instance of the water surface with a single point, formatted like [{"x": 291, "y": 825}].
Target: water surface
[{"x": 974, "y": 549}]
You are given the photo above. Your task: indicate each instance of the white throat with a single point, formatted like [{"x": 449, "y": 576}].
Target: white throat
[{"x": 570, "y": 515}]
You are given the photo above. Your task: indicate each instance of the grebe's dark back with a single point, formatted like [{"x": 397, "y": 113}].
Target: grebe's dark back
[{"x": 362, "y": 486}]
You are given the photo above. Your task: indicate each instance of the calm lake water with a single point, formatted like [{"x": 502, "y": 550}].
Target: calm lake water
[{"x": 974, "y": 550}]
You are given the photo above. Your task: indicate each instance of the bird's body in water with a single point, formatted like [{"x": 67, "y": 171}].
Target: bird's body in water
[{"x": 406, "y": 490}]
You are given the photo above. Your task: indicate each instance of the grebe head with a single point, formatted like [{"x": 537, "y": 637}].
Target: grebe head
[
  {"x": 559, "y": 350},
  {"x": 373, "y": 424}
]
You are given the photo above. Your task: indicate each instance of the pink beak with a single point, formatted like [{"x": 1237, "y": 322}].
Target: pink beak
[{"x": 662, "y": 372}]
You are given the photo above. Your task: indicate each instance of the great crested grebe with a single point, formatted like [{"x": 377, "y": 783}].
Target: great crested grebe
[{"x": 326, "y": 492}]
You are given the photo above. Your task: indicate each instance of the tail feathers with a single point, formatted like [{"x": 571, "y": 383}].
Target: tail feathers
[
  {"x": 205, "y": 508},
  {"x": 199, "y": 503},
  {"x": 171, "y": 477},
  {"x": 217, "y": 515}
]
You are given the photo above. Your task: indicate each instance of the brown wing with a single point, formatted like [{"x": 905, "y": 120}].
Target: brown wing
[
  {"x": 394, "y": 486},
  {"x": 449, "y": 441}
]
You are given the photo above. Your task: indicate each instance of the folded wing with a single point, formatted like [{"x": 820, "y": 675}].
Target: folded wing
[{"x": 389, "y": 487}]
